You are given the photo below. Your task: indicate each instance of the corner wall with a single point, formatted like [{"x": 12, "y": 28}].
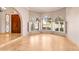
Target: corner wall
[{"x": 72, "y": 17}]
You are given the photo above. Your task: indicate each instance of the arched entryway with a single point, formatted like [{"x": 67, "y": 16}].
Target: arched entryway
[
  {"x": 12, "y": 21},
  {"x": 10, "y": 24}
]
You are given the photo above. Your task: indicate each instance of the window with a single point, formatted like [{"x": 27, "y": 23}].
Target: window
[
  {"x": 7, "y": 23},
  {"x": 47, "y": 23}
]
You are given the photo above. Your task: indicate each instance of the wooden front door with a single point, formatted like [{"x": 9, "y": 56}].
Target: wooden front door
[{"x": 15, "y": 24}]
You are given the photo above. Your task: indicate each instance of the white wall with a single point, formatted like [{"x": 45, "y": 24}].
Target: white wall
[
  {"x": 24, "y": 14},
  {"x": 31, "y": 13},
  {"x": 72, "y": 17},
  {"x": 2, "y": 22}
]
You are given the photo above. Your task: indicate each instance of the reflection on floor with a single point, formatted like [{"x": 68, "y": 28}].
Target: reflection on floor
[
  {"x": 41, "y": 42},
  {"x": 5, "y": 37}
]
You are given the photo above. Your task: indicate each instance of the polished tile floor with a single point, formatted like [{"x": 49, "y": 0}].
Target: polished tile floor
[{"x": 41, "y": 42}]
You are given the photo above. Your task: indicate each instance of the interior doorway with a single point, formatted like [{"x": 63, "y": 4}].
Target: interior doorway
[{"x": 15, "y": 24}]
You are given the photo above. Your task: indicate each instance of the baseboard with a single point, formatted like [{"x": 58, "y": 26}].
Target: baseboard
[{"x": 69, "y": 38}]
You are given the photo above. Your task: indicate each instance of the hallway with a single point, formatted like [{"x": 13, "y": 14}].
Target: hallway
[{"x": 41, "y": 42}]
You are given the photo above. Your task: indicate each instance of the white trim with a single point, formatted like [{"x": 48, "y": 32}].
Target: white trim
[{"x": 69, "y": 38}]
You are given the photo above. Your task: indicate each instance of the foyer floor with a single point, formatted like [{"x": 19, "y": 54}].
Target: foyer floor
[
  {"x": 40, "y": 42},
  {"x": 6, "y": 37}
]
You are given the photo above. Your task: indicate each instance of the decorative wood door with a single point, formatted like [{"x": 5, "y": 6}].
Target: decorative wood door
[{"x": 15, "y": 24}]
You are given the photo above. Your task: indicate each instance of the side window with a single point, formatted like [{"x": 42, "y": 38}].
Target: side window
[{"x": 7, "y": 23}]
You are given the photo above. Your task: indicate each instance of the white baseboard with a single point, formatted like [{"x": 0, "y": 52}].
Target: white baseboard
[{"x": 71, "y": 39}]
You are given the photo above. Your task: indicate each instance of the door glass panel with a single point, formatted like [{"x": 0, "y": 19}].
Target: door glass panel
[
  {"x": 49, "y": 24},
  {"x": 44, "y": 23},
  {"x": 57, "y": 26},
  {"x": 7, "y": 23},
  {"x": 36, "y": 25},
  {"x": 62, "y": 25},
  {"x": 53, "y": 26}
]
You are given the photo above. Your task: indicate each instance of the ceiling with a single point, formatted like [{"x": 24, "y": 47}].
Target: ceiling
[{"x": 44, "y": 9}]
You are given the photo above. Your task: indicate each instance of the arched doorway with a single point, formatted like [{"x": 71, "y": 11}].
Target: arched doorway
[{"x": 13, "y": 21}]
